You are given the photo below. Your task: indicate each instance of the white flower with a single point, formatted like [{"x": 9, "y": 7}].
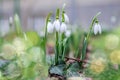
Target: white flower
[
  {"x": 68, "y": 33},
  {"x": 66, "y": 18},
  {"x": 50, "y": 27},
  {"x": 56, "y": 25},
  {"x": 97, "y": 28},
  {"x": 63, "y": 27},
  {"x": 10, "y": 20},
  {"x": 42, "y": 34}
]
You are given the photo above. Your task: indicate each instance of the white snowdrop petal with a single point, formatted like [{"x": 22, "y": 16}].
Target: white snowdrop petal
[
  {"x": 95, "y": 29},
  {"x": 99, "y": 29},
  {"x": 10, "y": 20},
  {"x": 56, "y": 25},
  {"x": 50, "y": 27},
  {"x": 66, "y": 18},
  {"x": 63, "y": 27}
]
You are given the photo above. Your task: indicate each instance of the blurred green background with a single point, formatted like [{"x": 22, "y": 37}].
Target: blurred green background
[{"x": 104, "y": 49}]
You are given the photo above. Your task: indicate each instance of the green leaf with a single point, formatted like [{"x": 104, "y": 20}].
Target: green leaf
[
  {"x": 57, "y": 70},
  {"x": 29, "y": 72},
  {"x": 84, "y": 49},
  {"x": 73, "y": 70},
  {"x": 17, "y": 24},
  {"x": 64, "y": 47}
]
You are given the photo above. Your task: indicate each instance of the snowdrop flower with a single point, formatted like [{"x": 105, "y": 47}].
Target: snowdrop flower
[
  {"x": 66, "y": 18},
  {"x": 50, "y": 27},
  {"x": 42, "y": 34},
  {"x": 10, "y": 23},
  {"x": 63, "y": 27},
  {"x": 68, "y": 33},
  {"x": 56, "y": 25},
  {"x": 97, "y": 28},
  {"x": 65, "y": 15},
  {"x": 10, "y": 20}
]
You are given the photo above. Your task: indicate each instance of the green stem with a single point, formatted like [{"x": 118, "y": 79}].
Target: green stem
[
  {"x": 10, "y": 26},
  {"x": 47, "y": 19},
  {"x": 45, "y": 38},
  {"x": 63, "y": 55},
  {"x": 61, "y": 44},
  {"x": 64, "y": 48},
  {"x": 56, "y": 49},
  {"x": 57, "y": 40}
]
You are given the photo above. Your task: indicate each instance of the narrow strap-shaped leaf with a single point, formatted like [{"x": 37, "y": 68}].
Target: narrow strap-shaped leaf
[
  {"x": 64, "y": 48},
  {"x": 17, "y": 24},
  {"x": 77, "y": 52},
  {"x": 56, "y": 49},
  {"x": 61, "y": 43},
  {"x": 83, "y": 54}
]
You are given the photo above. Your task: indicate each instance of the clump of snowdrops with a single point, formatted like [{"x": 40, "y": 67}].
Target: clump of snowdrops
[{"x": 61, "y": 66}]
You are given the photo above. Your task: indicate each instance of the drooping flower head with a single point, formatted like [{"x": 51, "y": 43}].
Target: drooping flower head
[
  {"x": 10, "y": 23},
  {"x": 56, "y": 25},
  {"x": 50, "y": 27},
  {"x": 63, "y": 27},
  {"x": 97, "y": 28},
  {"x": 66, "y": 18},
  {"x": 10, "y": 20}
]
